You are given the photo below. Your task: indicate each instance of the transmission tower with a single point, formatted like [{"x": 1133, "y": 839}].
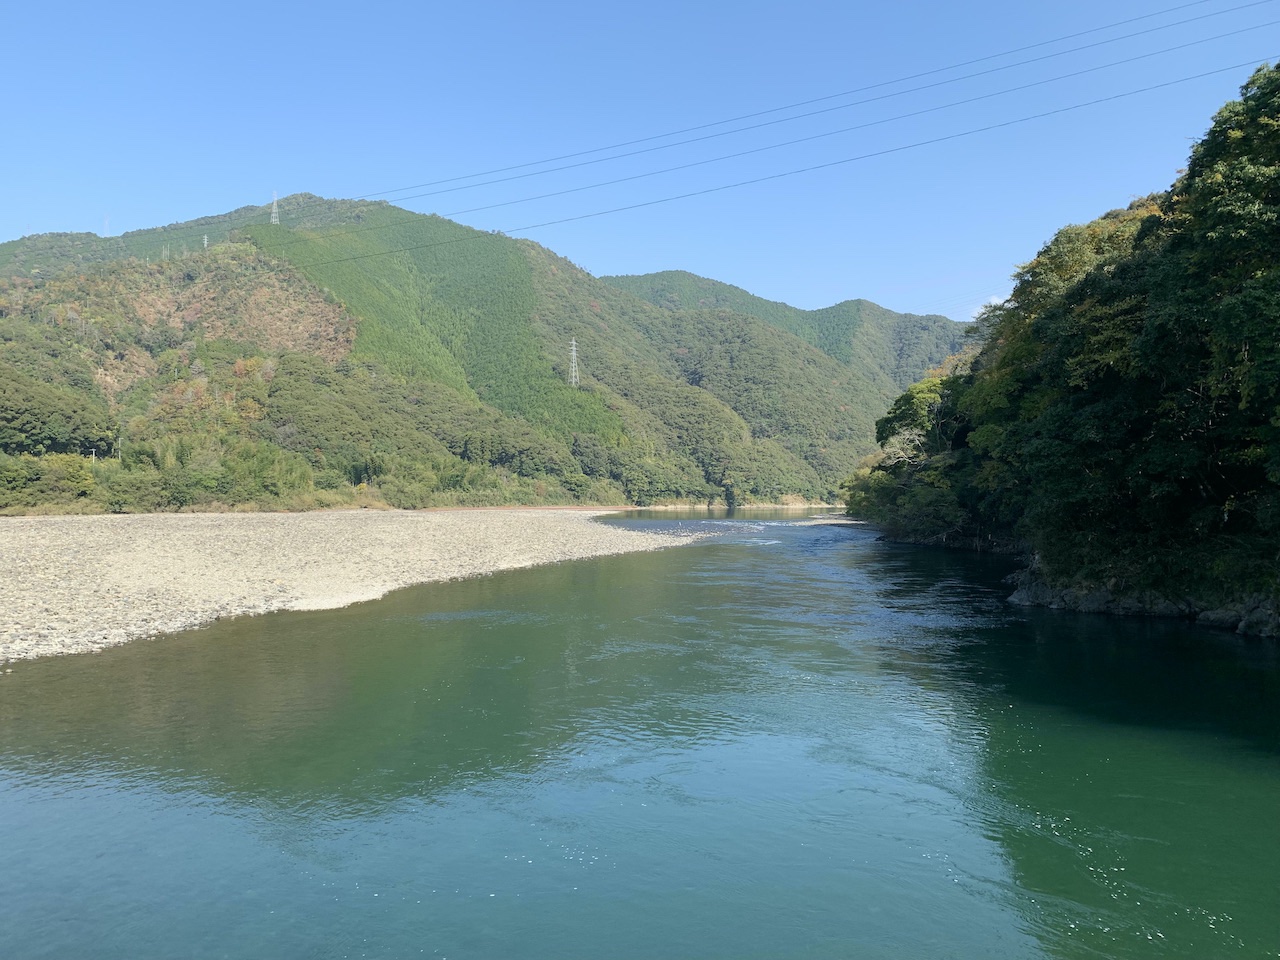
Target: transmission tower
[
  {"x": 275, "y": 209},
  {"x": 573, "y": 362}
]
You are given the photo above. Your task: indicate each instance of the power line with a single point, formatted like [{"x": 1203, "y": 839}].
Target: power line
[
  {"x": 960, "y": 300},
  {"x": 860, "y": 126},
  {"x": 819, "y": 136},
  {"x": 833, "y": 96},
  {"x": 791, "y": 173},
  {"x": 410, "y": 217},
  {"x": 300, "y": 208},
  {"x": 814, "y": 113},
  {"x": 477, "y": 235},
  {"x": 881, "y": 153}
]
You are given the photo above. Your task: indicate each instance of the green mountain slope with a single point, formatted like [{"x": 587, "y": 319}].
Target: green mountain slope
[
  {"x": 49, "y": 254},
  {"x": 357, "y": 351},
  {"x": 786, "y": 390},
  {"x": 878, "y": 342},
  {"x": 438, "y": 297}
]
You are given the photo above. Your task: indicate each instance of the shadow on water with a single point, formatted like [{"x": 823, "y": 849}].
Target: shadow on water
[
  {"x": 414, "y": 695},
  {"x": 1131, "y": 764},
  {"x": 1165, "y": 674}
]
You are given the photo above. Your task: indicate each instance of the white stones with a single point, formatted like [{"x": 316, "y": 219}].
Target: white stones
[{"x": 84, "y": 583}]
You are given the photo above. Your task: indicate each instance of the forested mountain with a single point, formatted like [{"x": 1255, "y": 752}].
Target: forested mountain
[
  {"x": 359, "y": 352},
  {"x": 50, "y": 254},
  {"x": 1121, "y": 419},
  {"x": 884, "y": 347}
]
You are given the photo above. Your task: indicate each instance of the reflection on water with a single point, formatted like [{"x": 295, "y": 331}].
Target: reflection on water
[{"x": 791, "y": 741}]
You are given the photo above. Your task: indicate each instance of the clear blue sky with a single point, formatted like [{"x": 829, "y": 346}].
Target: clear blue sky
[{"x": 148, "y": 114}]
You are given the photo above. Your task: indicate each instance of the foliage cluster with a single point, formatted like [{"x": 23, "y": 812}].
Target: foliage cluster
[{"x": 1122, "y": 415}]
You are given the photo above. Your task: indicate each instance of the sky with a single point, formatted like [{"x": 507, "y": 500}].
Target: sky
[{"x": 121, "y": 117}]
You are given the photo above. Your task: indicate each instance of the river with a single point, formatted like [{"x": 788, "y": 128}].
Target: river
[{"x": 789, "y": 741}]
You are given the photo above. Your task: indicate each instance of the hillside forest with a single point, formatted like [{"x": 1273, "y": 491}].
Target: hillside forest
[
  {"x": 1118, "y": 417},
  {"x": 357, "y": 353}
]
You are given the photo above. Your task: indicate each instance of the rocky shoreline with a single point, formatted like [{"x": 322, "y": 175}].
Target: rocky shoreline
[
  {"x": 1252, "y": 615},
  {"x": 74, "y": 584},
  {"x": 1255, "y": 616}
]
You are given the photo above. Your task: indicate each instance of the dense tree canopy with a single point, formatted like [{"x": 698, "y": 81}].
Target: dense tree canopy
[
  {"x": 1121, "y": 417},
  {"x": 360, "y": 352}
]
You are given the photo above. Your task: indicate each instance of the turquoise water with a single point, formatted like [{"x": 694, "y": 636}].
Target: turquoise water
[{"x": 790, "y": 741}]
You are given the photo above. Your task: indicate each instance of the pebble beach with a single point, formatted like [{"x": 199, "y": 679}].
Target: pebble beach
[{"x": 75, "y": 584}]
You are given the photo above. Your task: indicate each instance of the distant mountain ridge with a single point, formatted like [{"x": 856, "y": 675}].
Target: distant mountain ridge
[
  {"x": 357, "y": 350},
  {"x": 855, "y": 330},
  {"x": 51, "y": 253}
]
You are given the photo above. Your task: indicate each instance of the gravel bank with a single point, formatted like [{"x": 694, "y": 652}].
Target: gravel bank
[{"x": 75, "y": 584}]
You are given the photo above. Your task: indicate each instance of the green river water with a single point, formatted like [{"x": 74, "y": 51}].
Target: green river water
[{"x": 790, "y": 741}]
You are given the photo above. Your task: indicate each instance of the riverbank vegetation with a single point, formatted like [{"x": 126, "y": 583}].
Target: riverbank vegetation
[{"x": 1118, "y": 417}]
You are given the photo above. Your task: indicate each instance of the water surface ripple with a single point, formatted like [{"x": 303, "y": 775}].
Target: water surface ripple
[{"x": 790, "y": 741}]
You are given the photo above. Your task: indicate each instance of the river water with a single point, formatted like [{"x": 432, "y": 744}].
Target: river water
[{"x": 790, "y": 741}]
